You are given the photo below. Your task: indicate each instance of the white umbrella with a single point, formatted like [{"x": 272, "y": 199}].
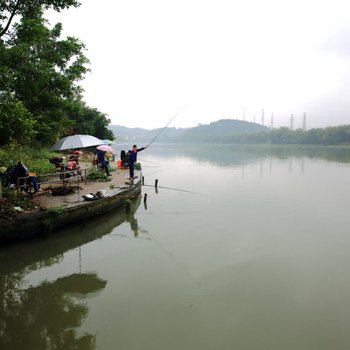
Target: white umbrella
[{"x": 76, "y": 141}]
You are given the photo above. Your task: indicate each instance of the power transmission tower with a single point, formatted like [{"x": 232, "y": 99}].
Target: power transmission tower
[
  {"x": 304, "y": 121},
  {"x": 271, "y": 121},
  {"x": 291, "y": 122},
  {"x": 262, "y": 117}
]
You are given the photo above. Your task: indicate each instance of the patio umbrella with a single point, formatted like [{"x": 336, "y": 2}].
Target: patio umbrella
[
  {"x": 76, "y": 141},
  {"x": 108, "y": 142},
  {"x": 105, "y": 148}
]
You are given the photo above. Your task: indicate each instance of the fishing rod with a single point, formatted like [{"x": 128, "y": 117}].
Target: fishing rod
[
  {"x": 155, "y": 137},
  {"x": 184, "y": 191}
]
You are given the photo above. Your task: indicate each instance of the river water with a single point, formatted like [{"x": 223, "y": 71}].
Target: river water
[{"x": 238, "y": 248}]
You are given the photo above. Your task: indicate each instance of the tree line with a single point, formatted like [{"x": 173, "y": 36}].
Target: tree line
[
  {"x": 40, "y": 96},
  {"x": 339, "y": 135}
]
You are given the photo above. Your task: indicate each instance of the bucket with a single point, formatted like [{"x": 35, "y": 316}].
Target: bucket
[{"x": 119, "y": 164}]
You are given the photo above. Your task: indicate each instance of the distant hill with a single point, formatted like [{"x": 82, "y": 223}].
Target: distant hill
[
  {"x": 229, "y": 131},
  {"x": 200, "y": 133},
  {"x": 124, "y": 134},
  {"x": 224, "y": 127}
]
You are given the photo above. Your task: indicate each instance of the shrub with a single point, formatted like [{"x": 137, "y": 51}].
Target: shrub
[{"x": 97, "y": 176}]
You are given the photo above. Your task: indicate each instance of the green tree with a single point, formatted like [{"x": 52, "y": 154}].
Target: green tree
[
  {"x": 42, "y": 71},
  {"x": 16, "y": 123},
  {"x": 90, "y": 121},
  {"x": 10, "y": 9},
  {"x": 39, "y": 77}
]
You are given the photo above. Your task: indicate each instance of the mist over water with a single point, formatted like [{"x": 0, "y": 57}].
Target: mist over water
[{"x": 238, "y": 248}]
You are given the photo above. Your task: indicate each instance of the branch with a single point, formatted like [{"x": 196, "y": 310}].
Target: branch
[{"x": 14, "y": 11}]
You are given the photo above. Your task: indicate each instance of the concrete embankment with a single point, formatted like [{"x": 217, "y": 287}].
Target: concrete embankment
[{"x": 57, "y": 211}]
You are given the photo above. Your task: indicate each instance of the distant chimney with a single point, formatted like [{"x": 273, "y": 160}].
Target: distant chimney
[
  {"x": 271, "y": 121},
  {"x": 304, "y": 121},
  {"x": 291, "y": 122}
]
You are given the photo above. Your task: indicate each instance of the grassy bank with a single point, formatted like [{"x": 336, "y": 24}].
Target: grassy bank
[{"x": 35, "y": 159}]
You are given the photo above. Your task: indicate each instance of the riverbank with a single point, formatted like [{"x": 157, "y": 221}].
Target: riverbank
[
  {"x": 46, "y": 200},
  {"x": 51, "y": 212}
]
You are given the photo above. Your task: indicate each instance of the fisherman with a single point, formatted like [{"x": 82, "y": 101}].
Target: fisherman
[
  {"x": 133, "y": 159},
  {"x": 103, "y": 161}
]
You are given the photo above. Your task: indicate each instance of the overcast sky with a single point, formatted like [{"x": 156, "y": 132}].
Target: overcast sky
[{"x": 220, "y": 58}]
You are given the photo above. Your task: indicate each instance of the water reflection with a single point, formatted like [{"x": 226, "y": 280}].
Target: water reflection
[
  {"x": 38, "y": 252},
  {"x": 254, "y": 263},
  {"x": 133, "y": 223},
  {"x": 45, "y": 316},
  {"x": 244, "y": 154}
]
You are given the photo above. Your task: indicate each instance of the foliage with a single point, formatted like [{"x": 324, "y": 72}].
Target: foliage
[
  {"x": 52, "y": 215},
  {"x": 339, "y": 135},
  {"x": 10, "y": 9},
  {"x": 7, "y": 210},
  {"x": 89, "y": 121},
  {"x": 97, "y": 176},
  {"x": 16, "y": 122},
  {"x": 35, "y": 159},
  {"x": 11, "y": 200},
  {"x": 40, "y": 95},
  {"x": 41, "y": 71}
]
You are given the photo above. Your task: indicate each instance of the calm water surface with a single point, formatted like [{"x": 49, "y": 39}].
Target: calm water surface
[{"x": 245, "y": 248}]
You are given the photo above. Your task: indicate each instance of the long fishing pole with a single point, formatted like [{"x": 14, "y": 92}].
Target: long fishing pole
[
  {"x": 183, "y": 190},
  {"x": 155, "y": 137}
]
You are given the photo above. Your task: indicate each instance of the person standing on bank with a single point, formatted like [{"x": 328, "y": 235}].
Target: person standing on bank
[{"x": 133, "y": 159}]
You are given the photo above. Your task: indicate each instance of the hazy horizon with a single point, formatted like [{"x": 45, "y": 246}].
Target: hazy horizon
[
  {"x": 222, "y": 59},
  {"x": 214, "y": 121}
]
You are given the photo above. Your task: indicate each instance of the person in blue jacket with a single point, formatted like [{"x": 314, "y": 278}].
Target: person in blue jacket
[
  {"x": 103, "y": 161},
  {"x": 133, "y": 159}
]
